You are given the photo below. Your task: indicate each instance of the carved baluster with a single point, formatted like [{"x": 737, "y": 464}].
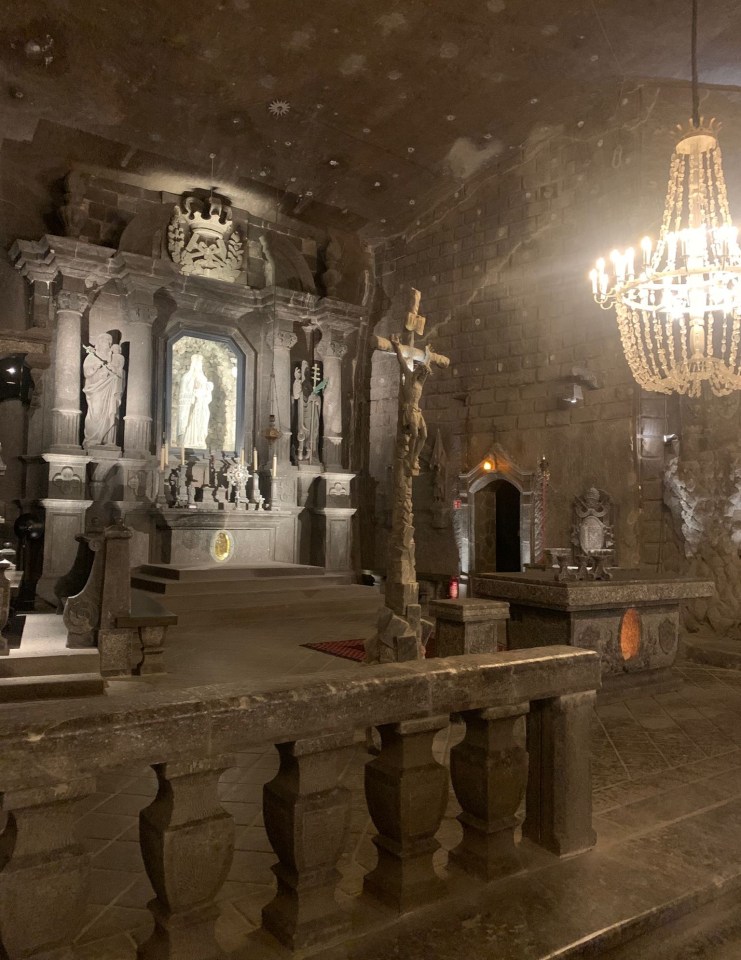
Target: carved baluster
[
  {"x": 407, "y": 792},
  {"x": 187, "y": 842},
  {"x": 489, "y": 773},
  {"x": 307, "y": 818},
  {"x": 44, "y": 872},
  {"x": 559, "y": 789}
]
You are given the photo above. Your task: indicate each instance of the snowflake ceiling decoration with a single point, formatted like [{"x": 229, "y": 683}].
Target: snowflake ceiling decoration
[{"x": 279, "y": 108}]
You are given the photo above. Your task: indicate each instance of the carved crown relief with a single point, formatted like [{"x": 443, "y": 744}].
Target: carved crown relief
[
  {"x": 592, "y": 528},
  {"x": 203, "y": 240}
]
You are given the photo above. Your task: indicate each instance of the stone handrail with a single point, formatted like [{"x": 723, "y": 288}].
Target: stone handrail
[{"x": 51, "y": 753}]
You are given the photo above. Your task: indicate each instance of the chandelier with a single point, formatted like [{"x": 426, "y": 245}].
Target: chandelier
[{"x": 678, "y": 304}]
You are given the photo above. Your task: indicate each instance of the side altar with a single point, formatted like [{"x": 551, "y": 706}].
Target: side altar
[{"x": 190, "y": 394}]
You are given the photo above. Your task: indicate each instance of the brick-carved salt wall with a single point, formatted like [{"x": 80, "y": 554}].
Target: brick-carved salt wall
[{"x": 502, "y": 266}]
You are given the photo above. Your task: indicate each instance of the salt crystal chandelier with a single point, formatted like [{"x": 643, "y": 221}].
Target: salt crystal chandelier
[{"x": 678, "y": 304}]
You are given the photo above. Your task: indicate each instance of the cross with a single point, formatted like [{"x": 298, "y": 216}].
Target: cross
[
  {"x": 315, "y": 374},
  {"x": 413, "y": 323}
]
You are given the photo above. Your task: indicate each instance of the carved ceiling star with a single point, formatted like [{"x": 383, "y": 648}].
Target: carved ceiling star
[{"x": 279, "y": 108}]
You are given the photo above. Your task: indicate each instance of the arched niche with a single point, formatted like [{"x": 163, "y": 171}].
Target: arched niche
[{"x": 496, "y": 473}]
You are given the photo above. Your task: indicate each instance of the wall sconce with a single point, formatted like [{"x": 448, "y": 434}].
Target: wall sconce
[
  {"x": 670, "y": 437},
  {"x": 574, "y": 396},
  {"x": 488, "y": 465}
]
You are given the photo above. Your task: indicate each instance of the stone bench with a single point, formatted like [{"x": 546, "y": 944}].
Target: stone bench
[
  {"x": 51, "y": 754},
  {"x": 127, "y": 626}
]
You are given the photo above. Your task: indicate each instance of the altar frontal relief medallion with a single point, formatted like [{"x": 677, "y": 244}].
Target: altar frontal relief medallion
[{"x": 222, "y": 546}]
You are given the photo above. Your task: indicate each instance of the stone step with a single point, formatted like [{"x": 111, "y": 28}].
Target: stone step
[
  {"x": 24, "y": 663},
  {"x": 168, "y": 587},
  {"x": 210, "y": 572},
  {"x": 289, "y": 606},
  {"x": 52, "y": 687}
]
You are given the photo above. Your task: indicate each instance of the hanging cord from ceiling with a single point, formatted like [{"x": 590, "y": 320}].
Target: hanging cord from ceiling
[{"x": 695, "y": 86}]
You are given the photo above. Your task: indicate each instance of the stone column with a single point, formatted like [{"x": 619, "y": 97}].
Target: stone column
[
  {"x": 187, "y": 843},
  {"x": 44, "y": 872},
  {"x": 332, "y": 353},
  {"x": 307, "y": 819},
  {"x": 489, "y": 773},
  {"x": 138, "y": 419},
  {"x": 284, "y": 341},
  {"x": 559, "y": 789},
  {"x": 407, "y": 793},
  {"x": 66, "y": 411}
]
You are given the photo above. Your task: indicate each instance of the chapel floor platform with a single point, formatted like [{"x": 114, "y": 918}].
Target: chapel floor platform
[{"x": 667, "y": 779}]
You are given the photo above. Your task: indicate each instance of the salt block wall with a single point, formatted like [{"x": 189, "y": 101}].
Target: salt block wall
[{"x": 502, "y": 265}]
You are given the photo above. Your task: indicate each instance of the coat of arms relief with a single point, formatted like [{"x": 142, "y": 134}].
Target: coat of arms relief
[{"x": 203, "y": 240}]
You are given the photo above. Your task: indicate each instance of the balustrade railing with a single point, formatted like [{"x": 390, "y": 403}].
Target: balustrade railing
[{"x": 51, "y": 753}]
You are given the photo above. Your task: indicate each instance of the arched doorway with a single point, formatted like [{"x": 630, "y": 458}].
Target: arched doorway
[
  {"x": 496, "y": 495},
  {"x": 497, "y": 527}
]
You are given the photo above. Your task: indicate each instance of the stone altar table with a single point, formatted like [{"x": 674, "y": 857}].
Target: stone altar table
[{"x": 631, "y": 621}]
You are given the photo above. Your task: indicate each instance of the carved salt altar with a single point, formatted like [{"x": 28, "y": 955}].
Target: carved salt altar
[{"x": 631, "y": 621}]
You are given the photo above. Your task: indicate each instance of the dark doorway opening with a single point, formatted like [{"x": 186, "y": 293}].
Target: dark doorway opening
[{"x": 497, "y": 527}]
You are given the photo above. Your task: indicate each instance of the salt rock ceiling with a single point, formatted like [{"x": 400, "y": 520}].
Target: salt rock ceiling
[{"x": 371, "y": 107}]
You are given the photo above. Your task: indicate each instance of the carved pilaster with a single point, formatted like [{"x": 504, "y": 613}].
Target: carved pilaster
[
  {"x": 332, "y": 353},
  {"x": 66, "y": 413},
  {"x": 285, "y": 340}
]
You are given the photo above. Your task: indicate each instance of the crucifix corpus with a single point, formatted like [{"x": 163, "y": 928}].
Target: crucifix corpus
[{"x": 402, "y": 633}]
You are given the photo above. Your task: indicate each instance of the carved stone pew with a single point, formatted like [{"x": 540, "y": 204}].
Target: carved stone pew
[
  {"x": 127, "y": 627},
  {"x": 50, "y": 754}
]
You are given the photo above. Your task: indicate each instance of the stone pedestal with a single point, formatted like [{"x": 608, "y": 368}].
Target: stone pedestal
[
  {"x": 407, "y": 793},
  {"x": 187, "y": 843},
  {"x": 469, "y": 626},
  {"x": 333, "y": 518},
  {"x": 559, "y": 787},
  {"x": 44, "y": 872},
  {"x": 489, "y": 774},
  {"x": 307, "y": 819}
]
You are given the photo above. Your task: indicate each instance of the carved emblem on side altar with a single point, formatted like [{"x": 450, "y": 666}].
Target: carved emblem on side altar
[
  {"x": 592, "y": 530},
  {"x": 203, "y": 240}
]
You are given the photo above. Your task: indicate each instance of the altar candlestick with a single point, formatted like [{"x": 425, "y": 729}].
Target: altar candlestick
[
  {"x": 254, "y": 459},
  {"x": 274, "y": 471},
  {"x": 241, "y": 457},
  {"x": 182, "y": 456},
  {"x": 163, "y": 458}
]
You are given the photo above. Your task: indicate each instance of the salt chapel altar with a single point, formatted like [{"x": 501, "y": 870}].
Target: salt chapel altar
[{"x": 193, "y": 394}]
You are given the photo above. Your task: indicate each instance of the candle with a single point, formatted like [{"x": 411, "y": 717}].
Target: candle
[
  {"x": 163, "y": 458},
  {"x": 182, "y": 456},
  {"x": 254, "y": 459},
  {"x": 646, "y": 250},
  {"x": 274, "y": 471},
  {"x": 241, "y": 457},
  {"x": 593, "y": 278}
]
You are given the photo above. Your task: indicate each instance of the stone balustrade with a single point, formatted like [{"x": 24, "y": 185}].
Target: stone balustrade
[{"x": 50, "y": 755}]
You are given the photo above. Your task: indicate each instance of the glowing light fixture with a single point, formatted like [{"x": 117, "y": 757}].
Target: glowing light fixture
[
  {"x": 678, "y": 304},
  {"x": 488, "y": 466}
]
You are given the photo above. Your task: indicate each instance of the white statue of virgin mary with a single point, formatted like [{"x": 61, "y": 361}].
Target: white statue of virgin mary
[{"x": 194, "y": 406}]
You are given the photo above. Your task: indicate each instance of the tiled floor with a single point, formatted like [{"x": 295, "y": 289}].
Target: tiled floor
[{"x": 657, "y": 760}]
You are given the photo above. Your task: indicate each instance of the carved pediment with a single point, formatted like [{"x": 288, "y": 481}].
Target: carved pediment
[{"x": 203, "y": 240}]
